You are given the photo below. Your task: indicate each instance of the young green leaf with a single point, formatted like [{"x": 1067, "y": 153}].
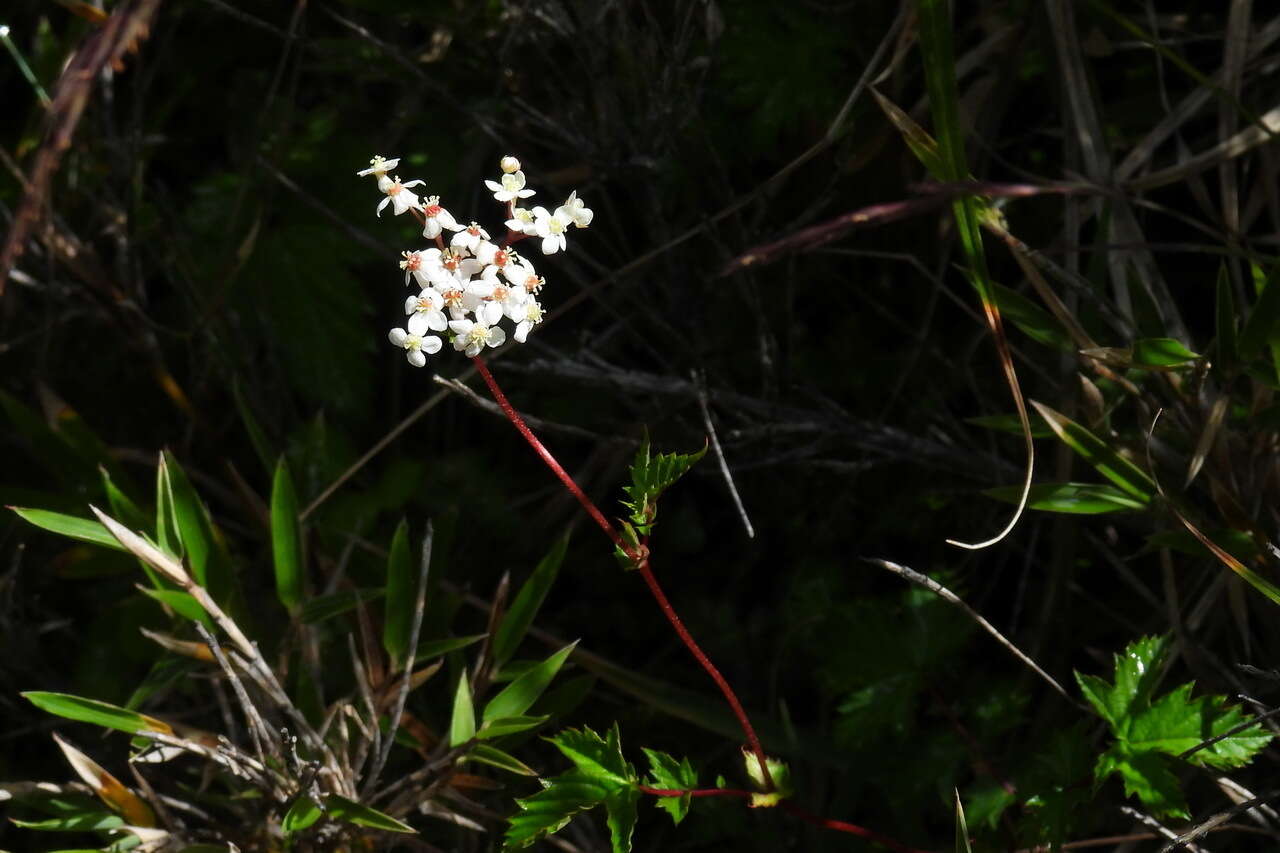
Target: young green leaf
[
  {"x": 1074, "y": 498},
  {"x": 671, "y": 775},
  {"x": 303, "y": 813},
  {"x": 340, "y": 808},
  {"x": 494, "y": 757},
  {"x": 508, "y": 726},
  {"x": 1110, "y": 464},
  {"x": 519, "y": 695},
  {"x": 519, "y": 617},
  {"x": 83, "y": 529},
  {"x": 399, "y": 604},
  {"x": 1161, "y": 353},
  {"x": 548, "y": 811},
  {"x": 1136, "y": 673},
  {"x": 200, "y": 542},
  {"x": 95, "y": 712},
  {"x": 594, "y": 756},
  {"x": 650, "y": 477},
  {"x": 462, "y": 725},
  {"x": 286, "y": 549},
  {"x": 621, "y": 808}
]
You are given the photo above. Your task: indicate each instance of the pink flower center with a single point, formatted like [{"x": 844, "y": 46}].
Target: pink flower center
[
  {"x": 500, "y": 258},
  {"x": 452, "y": 298},
  {"x": 424, "y": 304},
  {"x": 532, "y": 283},
  {"x": 412, "y": 261},
  {"x": 500, "y": 293},
  {"x": 473, "y": 230},
  {"x": 433, "y": 210}
]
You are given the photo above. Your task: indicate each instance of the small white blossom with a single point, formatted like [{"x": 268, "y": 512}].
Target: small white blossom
[
  {"x": 471, "y": 337},
  {"x": 521, "y": 222},
  {"x": 530, "y": 316},
  {"x": 511, "y": 188},
  {"x": 414, "y": 266},
  {"x": 415, "y": 345},
  {"x": 520, "y": 273},
  {"x": 379, "y": 166},
  {"x": 398, "y": 195},
  {"x": 551, "y": 227},
  {"x": 492, "y": 256},
  {"x": 510, "y": 165},
  {"x": 577, "y": 210},
  {"x": 496, "y": 300},
  {"x": 424, "y": 312},
  {"x": 437, "y": 219},
  {"x": 469, "y": 239},
  {"x": 455, "y": 298},
  {"x": 448, "y": 266}
]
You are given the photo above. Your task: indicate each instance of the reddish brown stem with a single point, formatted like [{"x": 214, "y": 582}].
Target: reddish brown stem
[
  {"x": 641, "y": 563},
  {"x": 851, "y": 828},
  {"x": 696, "y": 792}
]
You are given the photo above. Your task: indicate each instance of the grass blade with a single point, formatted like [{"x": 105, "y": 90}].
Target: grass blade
[
  {"x": 399, "y": 604},
  {"x": 286, "y": 549},
  {"x": 518, "y": 619},
  {"x": 1129, "y": 477}
]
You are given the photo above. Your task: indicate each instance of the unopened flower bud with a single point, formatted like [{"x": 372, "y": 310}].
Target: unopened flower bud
[{"x": 510, "y": 164}]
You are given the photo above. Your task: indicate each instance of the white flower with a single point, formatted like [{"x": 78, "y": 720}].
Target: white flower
[
  {"x": 530, "y": 315},
  {"x": 398, "y": 195},
  {"x": 454, "y": 296},
  {"x": 379, "y": 166},
  {"x": 414, "y": 265},
  {"x": 471, "y": 337},
  {"x": 520, "y": 273},
  {"x": 521, "y": 222},
  {"x": 437, "y": 219},
  {"x": 511, "y": 188},
  {"x": 448, "y": 266},
  {"x": 496, "y": 300},
  {"x": 550, "y": 227},
  {"x": 576, "y": 209},
  {"x": 424, "y": 312},
  {"x": 415, "y": 345},
  {"x": 510, "y": 164},
  {"x": 469, "y": 239},
  {"x": 493, "y": 257}
]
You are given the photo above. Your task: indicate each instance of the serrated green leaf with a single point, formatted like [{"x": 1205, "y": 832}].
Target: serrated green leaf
[
  {"x": 494, "y": 757},
  {"x": 508, "y": 726},
  {"x": 668, "y": 774},
  {"x": 1136, "y": 673},
  {"x": 515, "y": 624},
  {"x": 462, "y": 725},
  {"x": 1176, "y": 723},
  {"x": 547, "y": 811},
  {"x": 73, "y": 527},
  {"x": 519, "y": 695},
  {"x": 286, "y": 548},
  {"x": 1161, "y": 352},
  {"x": 621, "y": 808},
  {"x": 1072, "y": 498},
  {"x": 323, "y": 607},
  {"x": 399, "y": 604},
  {"x": 1146, "y": 776},
  {"x": 650, "y": 477},
  {"x": 303, "y": 813},
  {"x": 340, "y": 808},
  {"x": 1110, "y": 464},
  {"x": 596, "y": 756},
  {"x": 95, "y": 712}
]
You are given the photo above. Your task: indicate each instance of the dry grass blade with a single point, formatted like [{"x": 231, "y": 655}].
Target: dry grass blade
[
  {"x": 947, "y": 595},
  {"x": 719, "y": 454},
  {"x": 258, "y": 729},
  {"x": 1187, "y": 839},
  {"x": 127, "y": 25},
  {"x": 1207, "y": 436},
  {"x": 108, "y": 788}
]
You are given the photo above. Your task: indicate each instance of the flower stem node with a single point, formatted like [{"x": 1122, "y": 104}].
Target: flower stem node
[{"x": 779, "y": 772}]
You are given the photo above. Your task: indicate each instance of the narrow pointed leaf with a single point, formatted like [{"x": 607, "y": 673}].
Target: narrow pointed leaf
[
  {"x": 98, "y": 713},
  {"x": 435, "y": 648},
  {"x": 519, "y": 695},
  {"x": 302, "y": 814},
  {"x": 340, "y": 808},
  {"x": 399, "y": 603},
  {"x": 1110, "y": 464},
  {"x": 109, "y": 789},
  {"x": 286, "y": 549},
  {"x": 74, "y": 527},
  {"x": 1161, "y": 352},
  {"x": 494, "y": 757},
  {"x": 1073, "y": 498},
  {"x": 1263, "y": 325},
  {"x": 515, "y": 624},
  {"x": 462, "y": 726},
  {"x": 508, "y": 726}
]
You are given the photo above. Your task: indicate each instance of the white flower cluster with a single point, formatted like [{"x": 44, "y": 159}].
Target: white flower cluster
[{"x": 470, "y": 284}]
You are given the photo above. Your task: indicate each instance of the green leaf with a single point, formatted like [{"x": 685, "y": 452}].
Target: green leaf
[
  {"x": 399, "y": 603},
  {"x": 1261, "y": 327},
  {"x": 621, "y": 808},
  {"x": 1146, "y": 776},
  {"x": 515, "y": 624},
  {"x": 548, "y": 811},
  {"x": 962, "y": 828},
  {"x": 519, "y": 695},
  {"x": 84, "y": 529},
  {"x": 286, "y": 549},
  {"x": 1177, "y": 723},
  {"x": 205, "y": 554},
  {"x": 435, "y": 648},
  {"x": 671, "y": 775},
  {"x": 650, "y": 477},
  {"x": 594, "y": 756},
  {"x": 494, "y": 757},
  {"x": 1038, "y": 323},
  {"x": 1136, "y": 673},
  {"x": 123, "y": 507},
  {"x": 1110, "y": 464},
  {"x": 303, "y": 813},
  {"x": 508, "y": 726},
  {"x": 181, "y": 603},
  {"x": 1075, "y": 498},
  {"x": 95, "y": 712},
  {"x": 987, "y": 803},
  {"x": 167, "y": 536},
  {"x": 1161, "y": 352},
  {"x": 1011, "y": 424},
  {"x": 324, "y": 607},
  {"x": 340, "y": 808},
  {"x": 462, "y": 725}
]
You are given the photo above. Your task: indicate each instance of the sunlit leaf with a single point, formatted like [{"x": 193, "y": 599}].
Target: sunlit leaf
[
  {"x": 462, "y": 725},
  {"x": 340, "y": 808},
  {"x": 95, "y": 712},
  {"x": 1075, "y": 498},
  {"x": 84, "y": 529},
  {"x": 519, "y": 695},
  {"x": 1110, "y": 464}
]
